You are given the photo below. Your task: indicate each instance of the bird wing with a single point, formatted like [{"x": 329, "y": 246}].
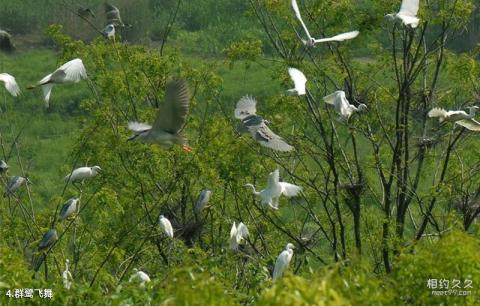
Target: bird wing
[
  {"x": 246, "y": 106},
  {"x": 233, "y": 231},
  {"x": 47, "y": 92},
  {"x": 290, "y": 190},
  {"x": 74, "y": 71},
  {"x": 138, "y": 126},
  {"x": 242, "y": 230},
  {"x": 471, "y": 124},
  {"x": 281, "y": 264},
  {"x": 263, "y": 135},
  {"x": 172, "y": 114},
  {"x": 273, "y": 179},
  {"x": 113, "y": 15},
  {"x": 331, "y": 98},
  {"x": 299, "y": 17},
  {"x": 298, "y": 79},
  {"x": 437, "y": 112},
  {"x": 6, "y": 42},
  {"x": 10, "y": 84},
  {"x": 253, "y": 121},
  {"x": 409, "y": 7},
  {"x": 339, "y": 37},
  {"x": 339, "y": 100}
]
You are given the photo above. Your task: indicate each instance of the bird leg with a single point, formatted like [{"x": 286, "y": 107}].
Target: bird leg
[{"x": 187, "y": 148}]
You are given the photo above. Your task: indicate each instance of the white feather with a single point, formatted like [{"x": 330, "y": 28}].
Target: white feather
[
  {"x": 299, "y": 81},
  {"x": 10, "y": 84}
]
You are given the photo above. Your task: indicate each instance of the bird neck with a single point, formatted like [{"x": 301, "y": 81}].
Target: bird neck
[
  {"x": 253, "y": 189},
  {"x": 472, "y": 113}
]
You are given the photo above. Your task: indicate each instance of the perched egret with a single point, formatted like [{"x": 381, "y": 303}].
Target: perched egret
[
  {"x": 48, "y": 239},
  {"x": 299, "y": 80},
  {"x": 342, "y": 106},
  {"x": 460, "y": 117},
  {"x": 140, "y": 276},
  {"x": 112, "y": 13},
  {"x": 408, "y": 13},
  {"x": 69, "y": 208},
  {"x": 312, "y": 41},
  {"x": 72, "y": 71},
  {"x": 3, "y": 166},
  {"x": 202, "y": 200},
  {"x": 166, "y": 226},
  {"x": 257, "y": 126},
  {"x": 283, "y": 260},
  {"x": 82, "y": 173},
  {"x": 271, "y": 194},
  {"x": 171, "y": 118},
  {"x": 15, "y": 183},
  {"x": 109, "y": 31},
  {"x": 67, "y": 276},
  {"x": 10, "y": 84},
  {"x": 6, "y": 44},
  {"x": 237, "y": 234}
]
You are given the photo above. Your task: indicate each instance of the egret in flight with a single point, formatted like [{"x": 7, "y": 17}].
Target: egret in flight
[
  {"x": 342, "y": 106},
  {"x": 312, "y": 41},
  {"x": 299, "y": 80},
  {"x": 82, "y": 173},
  {"x": 271, "y": 194},
  {"x": 460, "y": 117},
  {"x": 70, "y": 72},
  {"x": 140, "y": 276},
  {"x": 257, "y": 127},
  {"x": 170, "y": 121},
  {"x": 283, "y": 261},
  {"x": 10, "y": 84},
  {"x": 165, "y": 226},
  {"x": 237, "y": 234},
  {"x": 408, "y": 13}
]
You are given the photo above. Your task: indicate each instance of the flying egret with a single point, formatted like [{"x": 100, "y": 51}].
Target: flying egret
[
  {"x": 140, "y": 276},
  {"x": 460, "y": 117},
  {"x": 48, "y": 239},
  {"x": 257, "y": 126},
  {"x": 408, "y": 13},
  {"x": 312, "y": 41},
  {"x": 10, "y": 84},
  {"x": 82, "y": 173},
  {"x": 299, "y": 80},
  {"x": 271, "y": 194},
  {"x": 109, "y": 31},
  {"x": 166, "y": 226},
  {"x": 202, "y": 200},
  {"x": 69, "y": 208},
  {"x": 170, "y": 121},
  {"x": 67, "y": 276},
  {"x": 3, "y": 166},
  {"x": 6, "y": 44},
  {"x": 342, "y": 106},
  {"x": 72, "y": 71},
  {"x": 112, "y": 13},
  {"x": 283, "y": 260},
  {"x": 237, "y": 234},
  {"x": 15, "y": 183}
]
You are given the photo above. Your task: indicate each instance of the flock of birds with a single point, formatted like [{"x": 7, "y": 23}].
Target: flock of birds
[{"x": 171, "y": 117}]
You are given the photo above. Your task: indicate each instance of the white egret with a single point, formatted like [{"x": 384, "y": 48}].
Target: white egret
[
  {"x": 312, "y": 41},
  {"x": 70, "y": 72},
  {"x": 109, "y": 31},
  {"x": 408, "y": 13},
  {"x": 10, "y": 84},
  {"x": 271, "y": 194},
  {"x": 140, "y": 276},
  {"x": 6, "y": 44},
  {"x": 48, "y": 239},
  {"x": 67, "y": 276},
  {"x": 283, "y": 261},
  {"x": 342, "y": 106},
  {"x": 237, "y": 234},
  {"x": 170, "y": 121},
  {"x": 202, "y": 200},
  {"x": 460, "y": 117},
  {"x": 69, "y": 208},
  {"x": 257, "y": 126},
  {"x": 82, "y": 173},
  {"x": 3, "y": 166},
  {"x": 166, "y": 226},
  {"x": 15, "y": 183},
  {"x": 299, "y": 81}
]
